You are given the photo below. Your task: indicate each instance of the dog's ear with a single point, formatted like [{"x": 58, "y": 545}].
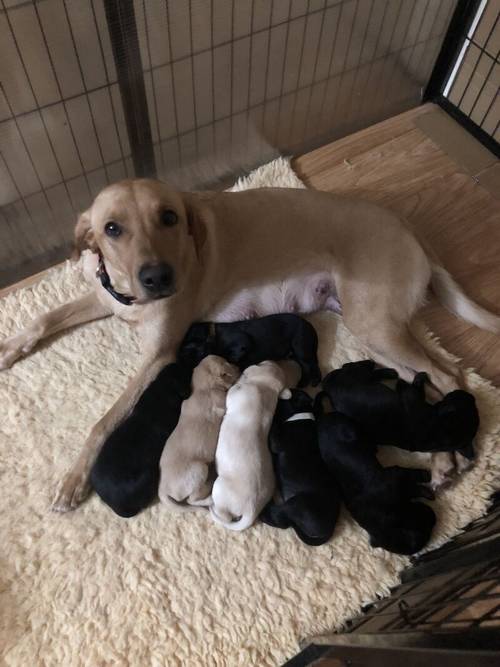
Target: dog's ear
[
  {"x": 195, "y": 219},
  {"x": 84, "y": 236}
]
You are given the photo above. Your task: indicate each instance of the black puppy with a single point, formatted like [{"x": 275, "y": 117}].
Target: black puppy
[
  {"x": 401, "y": 416},
  {"x": 311, "y": 497},
  {"x": 126, "y": 473},
  {"x": 380, "y": 499},
  {"x": 249, "y": 342}
]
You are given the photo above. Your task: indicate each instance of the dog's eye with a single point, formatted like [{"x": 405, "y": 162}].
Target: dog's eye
[
  {"x": 168, "y": 217},
  {"x": 112, "y": 229}
]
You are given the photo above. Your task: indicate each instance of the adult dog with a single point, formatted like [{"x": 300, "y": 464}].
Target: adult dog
[{"x": 164, "y": 259}]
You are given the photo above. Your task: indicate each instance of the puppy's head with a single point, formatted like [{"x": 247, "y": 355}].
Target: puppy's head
[
  {"x": 214, "y": 372},
  {"x": 178, "y": 378},
  {"x": 406, "y": 530},
  {"x": 234, "y": 345},
  {"x": 146, "y": 232},
  {"x": 268, "y": 374},
  {"x": 353, "y": 373},
  {"x": 338, "y": 437},
  {"x": 196, "y": 344},
  {"x": 457, "y": 420}
]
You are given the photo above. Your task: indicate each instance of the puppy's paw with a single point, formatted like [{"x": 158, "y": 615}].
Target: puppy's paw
[
  {"x": 72, "y": 491},
  {"x": 462, "y": 463},
  {"x": 443, "y": 470}
]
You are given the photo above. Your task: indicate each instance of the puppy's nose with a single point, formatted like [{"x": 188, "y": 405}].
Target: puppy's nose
[{"x": 156, "y": 278}]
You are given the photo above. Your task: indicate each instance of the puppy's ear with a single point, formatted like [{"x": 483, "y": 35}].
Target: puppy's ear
[
  {"x": 230, "y": 374},
  {"x": 195, "y": 219},
  {"x": 84, "y": 236}
]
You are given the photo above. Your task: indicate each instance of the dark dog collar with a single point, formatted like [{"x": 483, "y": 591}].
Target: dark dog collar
[{"x": 103, "y": 276}]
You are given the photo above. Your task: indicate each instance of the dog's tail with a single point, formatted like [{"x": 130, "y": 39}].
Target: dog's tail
[
  {"x": 452, "y": 296},
  {"x": 226, "y": 518}
]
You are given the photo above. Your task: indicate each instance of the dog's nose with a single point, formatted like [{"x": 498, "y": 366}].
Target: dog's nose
[{"x": 156, "y": 279}]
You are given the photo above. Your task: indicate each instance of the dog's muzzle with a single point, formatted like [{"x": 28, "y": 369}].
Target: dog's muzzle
[{"x": 157, "y": 280}]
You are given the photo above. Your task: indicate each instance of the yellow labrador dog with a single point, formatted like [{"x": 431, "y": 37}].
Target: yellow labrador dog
[{"x": 164, "y": 259}]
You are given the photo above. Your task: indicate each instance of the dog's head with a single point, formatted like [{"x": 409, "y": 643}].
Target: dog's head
[{"x": 146, "y": 233}]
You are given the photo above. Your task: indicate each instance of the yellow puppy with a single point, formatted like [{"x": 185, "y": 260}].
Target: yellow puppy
[{"x": 185, "y": 477}]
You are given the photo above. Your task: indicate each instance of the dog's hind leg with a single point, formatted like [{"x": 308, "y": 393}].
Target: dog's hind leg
[{"x": 394, "y": 345}]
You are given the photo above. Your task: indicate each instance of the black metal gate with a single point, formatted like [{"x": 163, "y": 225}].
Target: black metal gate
[
  {"x": 466, "y": 79},
  {"x": 446, "y": 611}
]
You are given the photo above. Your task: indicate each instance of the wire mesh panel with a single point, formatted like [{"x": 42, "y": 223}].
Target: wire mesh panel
[
  {"x": 62, "y": 130},
  {"x": 194, "y": 91}
]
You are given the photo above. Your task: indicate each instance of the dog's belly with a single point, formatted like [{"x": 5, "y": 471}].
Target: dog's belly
[{"x": 304, "y": 295}]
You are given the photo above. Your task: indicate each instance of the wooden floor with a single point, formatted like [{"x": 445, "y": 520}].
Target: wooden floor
[{"x": 447, "y": 187}]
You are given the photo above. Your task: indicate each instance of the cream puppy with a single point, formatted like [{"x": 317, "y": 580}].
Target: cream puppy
[
  {"x": 185, "y": 477},
  {"x": 245, "y": 481}
]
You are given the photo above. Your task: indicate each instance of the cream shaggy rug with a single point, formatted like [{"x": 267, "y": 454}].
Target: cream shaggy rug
[{"x": 89, "y": 588}]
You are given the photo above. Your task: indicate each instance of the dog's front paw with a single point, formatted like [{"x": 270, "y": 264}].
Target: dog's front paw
[
  {"x": 72, "y": 491},
  {"x": 16, "y": 347},
  {"x": 11, "y": 350}
]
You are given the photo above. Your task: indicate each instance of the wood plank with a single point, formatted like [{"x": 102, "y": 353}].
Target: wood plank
[{"x": 321, "y": 159}]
